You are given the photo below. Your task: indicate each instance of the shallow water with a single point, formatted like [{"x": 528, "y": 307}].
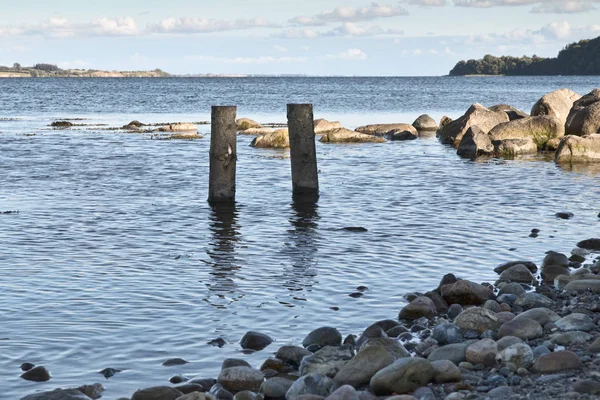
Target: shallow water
[{"x": 115, "y": 259}]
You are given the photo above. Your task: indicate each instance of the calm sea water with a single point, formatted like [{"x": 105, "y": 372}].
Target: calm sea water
[{"x": 115, "y": 259}]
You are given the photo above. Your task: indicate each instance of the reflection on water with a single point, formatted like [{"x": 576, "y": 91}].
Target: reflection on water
[
  {"x": 590, "y": 169},
  {"x": 304, "y": 243},
  {"x": 225, "y": 232}
]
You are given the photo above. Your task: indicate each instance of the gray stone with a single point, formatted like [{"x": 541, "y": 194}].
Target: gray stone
[
  {"x": 425, "y": 123},
  {"x": 551, "y": 272},
  {"x": 292, "y": 355},
  {"x": 475, "y": 143},
  {"x": 345, "y": 392},
  {"x": 234, "y": 362},
  {"x": 517, "y": 273},
  {"x": 197, "y": 396},
  {"x": 325, "y": 336},
  {"x": 556, "y": 362},
  {"x": 590, "y": 244},
  {"x": 519, "y": 354},
  {"x": 447, "y": 333},
  {"x": 420, "y": 307},
  {"x": 583, "y": 286},
  {"x": 255, "y": 341},
  {"x": 477, "y": 319},
  {"x": 392, "y": 345},
  {"x": 571, "y": 338},
  {"x": 512, "y": 288},
  {"x": 157, "y": 393},
  {"x": 554, "y": 258},
  {"x": 403, "y": 376},
  {"x": 58, "y": 394},
  {"x": 482, "y": 352},
  {"x": 245, "y": 395},
  {"x": 493, "y": 306},
  {"x": 465, "y": 293},
  {"x": 445, "y": 371},
  {"x": 359, "y": 370},
  {"x": 541, "y": 315},
  {"x": 575, "y": 322},
  {"x": 523, "y": 328},
  {"x": 454, "y": 311},
  {"x": 237, "y": 379},
  {"x": 276, "y": 387},
  {"x": 533, "y": 300},
  {"x": 595, "y": 346},
  {"x": 503, "y": 267},
  {"x": 456, "y": 353},
  {"x": 373, "y": 331},
  {"x": 36, "y": 374},
  {"x": 327, "y": 361},
  {"x": 587, "y": 387},
  {"x": 310, "y": 384},
  {"x": 502, "y": 392},
  {"x": 540, "y": 351}
]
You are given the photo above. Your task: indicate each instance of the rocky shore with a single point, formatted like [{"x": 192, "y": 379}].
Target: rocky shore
[{"x": 532, "y": 334}]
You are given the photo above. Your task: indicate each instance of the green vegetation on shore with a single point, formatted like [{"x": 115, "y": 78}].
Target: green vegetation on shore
[
  {"x": 53, "y": 71},
  {"x": 581, "y": 58}
]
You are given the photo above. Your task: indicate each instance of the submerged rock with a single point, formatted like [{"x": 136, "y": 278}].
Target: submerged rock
[
  {"x": 58, "y": 394},
  {"x": 325, "y": 336},
  {"x": 344, "y": 135},
  {"x": 243, "y": 124},
  {"x": 425, "y": 123},
  {"x": 385, "y": 129},
  {"x": 279, "y": 139},
  {"x": 255, "y": 341},
  {"x": 36, "y": 374},
  {"x": 179, "y": 127}
]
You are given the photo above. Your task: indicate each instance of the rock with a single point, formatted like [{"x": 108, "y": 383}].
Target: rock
[
  {"x": 323, "y": 126},
  {"x": 325, "y": 336},
  {"x": 466, "y": 293},
  {"x": 551, "y": 272},
  {"x": 507, "y": 341},
  {"x": 518, "y": 354},
  {"x": 280, "y": 139},
  {"x": 512, "y": 112},
  {"x": 554, "y": 258},
  {"x": 440, "y": 305},
  {"x": 503, "y": 267},
  {"x": 595, "y": 346},
  {"x": 541, "y": 315},
  {"x": 575, "y": 322},
  {"x": 403, "y": 376},
  {"x": 393, "y": 346},
  {"x": 179, "y": 127},
  {"x": 584, "y": 116},
  {"x": 477, "y": 319},
  {"x": 385, "y": 129},
  {"x": 293, "y": 355},
  {"x": 445, "y": 371},
  {"x": 505, "y": 316},
  {"x": 359, "y": 370},
  {"x": 509, "y": 148},
  {"x": 540, "y": 129},
  {"x": 187, "y": 388},
  {"x": 237, "y": 379},
  {"x": 257, "y": 131},
  {"x": 347, "y": 136},
  {"x": 27, "y": 366},
  {"x": 587, "y": 387},
  {"x": 399, "y": 135},
  {"x": 243, "y": 124},
  {"x": 512, "y": 288},
  {"x": 564, "y": 215},
  {"x": 345, "y": 392},
  {"x": 245, "y": 395},
  {"x": 523, "y": 328},
  {"x": 220, "y": 392},
  {"x": 584, "y": 285},
  {"x": 36, "y": 374},
  {"x": 61, "y": 124},
  {"x": 482, "y": 352},
  {"x": 540, "y": 351},
  {"x": 576, "y": 149},
  {"x": 533, "y": 300},
  {"x": 157, "y": 393},
  {"x": 420, "y": 307},
  {"x": 557, "y": 104},
  {"x": 571, "y": 338},
  {"x": 197, "y": 396},
  {"x": 234, "y": 362},
  {"x": 456, "y": 353},
  {"x": 310, "y": 384},
  {"x": 453, "y": 132},
  {"x": 590, "y": 244},
  {"x": 518, "y": 273},
  {"x": 454, "y": 311},
  {"x": 58, "y": 394},
  {"x": 174, "y": 361},
  {"x": 276, "y": 387},
  {"x": 373, "y": 331},
  {"x": 475, "y": 143},
  {"x": 255, "y": 341},
  {"x": 447, "y": 333},
  {"x": 327, "y": 361},
  {"x": 502, "y": 392},
  {"x": 425, "y": 123},
  {"x": 556, "y": 362}
]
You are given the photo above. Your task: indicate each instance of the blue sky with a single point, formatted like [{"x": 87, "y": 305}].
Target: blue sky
[{"x": 314, "y": 37}]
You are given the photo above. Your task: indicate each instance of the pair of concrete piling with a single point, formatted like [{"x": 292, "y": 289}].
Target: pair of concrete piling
[{"x": 223, "y": 153}]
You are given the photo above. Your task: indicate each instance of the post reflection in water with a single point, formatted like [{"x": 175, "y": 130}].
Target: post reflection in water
[
  {"x": 225, "y": 235},
  {"x": 304, "y": 239}
]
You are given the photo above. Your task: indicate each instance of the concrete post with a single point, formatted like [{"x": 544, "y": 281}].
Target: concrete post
[
  {"x": 303, "y": 152},
  {"x": 223, "y": 155}
]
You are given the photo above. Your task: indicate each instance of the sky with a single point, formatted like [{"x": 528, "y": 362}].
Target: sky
[{"x": 309, "y": 37}]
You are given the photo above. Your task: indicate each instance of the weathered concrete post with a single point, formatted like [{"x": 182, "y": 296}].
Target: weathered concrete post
[
  {"x": 223, "y": 155},
  {"x": 303, "y": 152}
]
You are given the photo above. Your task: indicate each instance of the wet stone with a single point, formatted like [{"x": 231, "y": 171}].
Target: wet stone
[
  {"x": 255, "y": 341},
  {"x": 26, "y": 366},
  {"x": 36, "y": 374},
  {"x": 174, "y": 361},
  {"x": 325, "y": 336}
]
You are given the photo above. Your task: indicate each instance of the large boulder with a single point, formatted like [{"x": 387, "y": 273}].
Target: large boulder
[
  {"x": 576, "y": 149},
  {"x": 385, "y": 129},
  {"x": 344, "y": 135},
  {"x": 280, "y": 139},
  {"x": 584, "y": 117},
  {"x": 475, "y": 143},
  {"x": 557, "y": 104},
  {"x": 541, "y": 129},
  {"x": 244, "y": 124},
  {"x": 466, "y": 293},
  {"x": 179, "y": 127},
  {"x": 509, "y": 148},
  {"x": 512, "y": 112},
  {"x": 323, "y": 126},
  {"x": 425, "y": 123},
  {"x": 453, "y": 132},
  {"x": 403, "y": 376}
]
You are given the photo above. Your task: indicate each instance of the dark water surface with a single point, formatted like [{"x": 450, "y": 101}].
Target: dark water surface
[{"x": 115, "y": 259}]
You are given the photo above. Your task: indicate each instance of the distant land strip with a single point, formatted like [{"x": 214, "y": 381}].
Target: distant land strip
[{"x": 580, "y": 58}]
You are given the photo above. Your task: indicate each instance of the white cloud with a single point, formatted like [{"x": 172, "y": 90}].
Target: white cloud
[
  {"x": 115, "y": 27},
  {"x": 556, "y": 30},
  {"x": 349, "y": 55},
  {"x": 563, "y": 7},
  {"x": 205, "y": 25},
  {"x": 347, "y": 29},
  {"x": 351, "y": 14},
  {"x": 539, "y": 6},
  {"x": 427, "y": 3}
]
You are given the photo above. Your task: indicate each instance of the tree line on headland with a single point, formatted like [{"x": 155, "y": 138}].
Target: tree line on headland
[
  {"x": 49, "y": 70},
  {"x": 580, "y": 58}
]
